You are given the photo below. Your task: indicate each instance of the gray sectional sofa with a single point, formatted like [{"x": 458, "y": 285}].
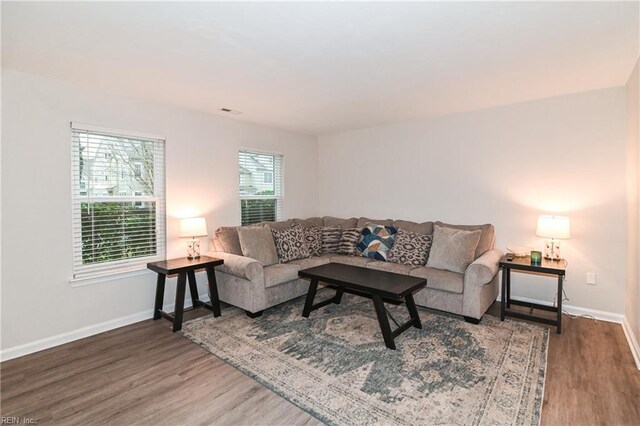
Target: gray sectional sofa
[{"x": 247, "y": 284}]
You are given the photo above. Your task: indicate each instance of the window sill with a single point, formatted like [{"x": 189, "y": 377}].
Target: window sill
[{"x": 82, "y": 282}]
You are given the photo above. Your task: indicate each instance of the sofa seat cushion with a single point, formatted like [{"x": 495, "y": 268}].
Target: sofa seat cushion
[
  {"x": 351, "y": 260},
  {"x": 440, "y": 279},
  {"x": 280, "y": 273},
  {"x": 310, "y": 262},
  {"x": 396, "y": 268}
]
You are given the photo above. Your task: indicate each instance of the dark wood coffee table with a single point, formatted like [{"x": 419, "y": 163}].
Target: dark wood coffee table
[{"x": 372, "y": 283}]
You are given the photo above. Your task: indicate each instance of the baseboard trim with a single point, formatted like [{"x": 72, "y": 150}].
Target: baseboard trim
[
  {"x": 576, "y": 310},
  {"x": 633, "y": 343},
  {"x": 81, "y": 333},
  {"x": 599, "y": 315}
]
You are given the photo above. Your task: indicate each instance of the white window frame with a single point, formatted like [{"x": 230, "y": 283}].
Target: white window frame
[
  {"x": 280, "y": 206},
  {"x": 109, "y": 270}
]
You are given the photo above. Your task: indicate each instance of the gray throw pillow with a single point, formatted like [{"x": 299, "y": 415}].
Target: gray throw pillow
[
  {"x": 331, "y": 238},
  {"x": 349, "y": 241},
  {"x": 290, "y": 244},
  {"x": 257, "y": 243},
  {"x": 226, "y": 240},
  {"x": 410, "y": 248},
  {"x": 453, "y": 249}
]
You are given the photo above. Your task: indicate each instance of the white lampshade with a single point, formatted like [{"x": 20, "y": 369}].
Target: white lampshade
[
  {"x": 550, "y": 226},
  {"x": 193, "y": 227}
]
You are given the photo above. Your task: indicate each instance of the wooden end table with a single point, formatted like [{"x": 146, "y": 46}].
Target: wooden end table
[
  {"x": 523, "y": 264},
  {"x": 185, "y": 268}
]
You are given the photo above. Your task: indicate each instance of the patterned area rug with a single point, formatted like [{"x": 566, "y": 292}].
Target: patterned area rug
[{"x": 335, "y": 365}]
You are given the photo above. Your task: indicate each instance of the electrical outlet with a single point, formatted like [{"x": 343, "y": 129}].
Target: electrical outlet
[{"x": 591, "y": 278}]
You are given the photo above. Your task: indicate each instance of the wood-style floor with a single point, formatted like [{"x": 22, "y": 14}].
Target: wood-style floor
[{"x": 145, "y": 374}]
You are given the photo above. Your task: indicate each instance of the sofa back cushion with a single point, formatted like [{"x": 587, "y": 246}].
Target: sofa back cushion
[
  {"x": 425, "y": 228},
  {"x": 257, "y": 243},
  {"x": 453, "y": 249},
  {"x": 309, "y": 223},
  {"x": 226, "y": 240},
  {"x": 375, "y": 241},
  {"x": 290, "y": 244},
  {"x": 364, "y": 221},
  {"x": 278, "y": 226},
  {"x": 348, "y": 241},
  {"x": 343, "y": 223},
  {"x": 487, "y": 239},
  {"x": 410, "y": 248}
]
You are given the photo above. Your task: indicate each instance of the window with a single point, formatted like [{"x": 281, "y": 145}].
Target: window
[
  {"x": 261, "y": 192},
  {"x": 116, "y": 233}
]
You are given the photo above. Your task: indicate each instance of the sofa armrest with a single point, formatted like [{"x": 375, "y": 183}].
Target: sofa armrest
[
  {"x": 240, "y": 266},
  {"x": 483, "y": 269}
]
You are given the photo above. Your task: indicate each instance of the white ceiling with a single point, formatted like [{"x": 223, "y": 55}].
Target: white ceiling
[{"x": 320, "y": 68}]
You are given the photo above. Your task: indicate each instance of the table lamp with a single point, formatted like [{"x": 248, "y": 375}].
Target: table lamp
[
  {"x": 555, "y": 228},
  {"x": 193, "y": 227}
]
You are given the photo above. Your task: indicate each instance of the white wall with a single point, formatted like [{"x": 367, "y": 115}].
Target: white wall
[
  {"x": 505, "y": 166},
  {"x": 632, "y": 292},
  {"x": 202, "y": 179}
]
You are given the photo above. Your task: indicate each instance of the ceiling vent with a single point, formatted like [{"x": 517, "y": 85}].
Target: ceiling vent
[{"x": 230, "y": 111}]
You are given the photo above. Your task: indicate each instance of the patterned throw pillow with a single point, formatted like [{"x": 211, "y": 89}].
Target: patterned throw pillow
[
  {"x": 410, "y": 248},
  {"x": 313, "y": 237},
  {"x": 290, "y": 244},
  {"x": 348, "y": 241},
  {"x": 331, "y": 238},
  {"x": 375, "y": 241}
]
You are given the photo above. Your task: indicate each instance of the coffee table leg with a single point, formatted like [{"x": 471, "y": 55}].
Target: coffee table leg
[
  {"x": 384, "y": 322},
  {"x": 413, "y": 311},
  {"x": 177, "y": 318},
  {"x": 338, "y": 297},
  {"x": 310, "y": 296}
]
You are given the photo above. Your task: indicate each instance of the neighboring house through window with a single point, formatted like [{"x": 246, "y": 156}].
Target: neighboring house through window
[
  {"x": 261, "y": 187},
  {"x": 113, "y": 229}
]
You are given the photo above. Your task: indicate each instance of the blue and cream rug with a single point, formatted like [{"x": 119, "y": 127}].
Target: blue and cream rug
[{"x": 335, "y": 365}]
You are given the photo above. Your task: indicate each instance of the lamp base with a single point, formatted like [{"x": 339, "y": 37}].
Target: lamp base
[
  {"x": 193, "y": 249},
  {"x": 552, "y": 250}
]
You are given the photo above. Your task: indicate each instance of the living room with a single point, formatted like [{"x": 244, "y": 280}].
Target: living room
[{"x": 461, "y": 112}]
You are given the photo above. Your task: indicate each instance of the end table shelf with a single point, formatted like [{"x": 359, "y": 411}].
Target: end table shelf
[
  {"x": 185, "y": 268},
  {"x": 523, "y": 264}
]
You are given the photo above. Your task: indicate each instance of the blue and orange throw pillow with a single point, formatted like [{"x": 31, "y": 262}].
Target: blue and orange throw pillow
[{"x": 375, "y": 241}]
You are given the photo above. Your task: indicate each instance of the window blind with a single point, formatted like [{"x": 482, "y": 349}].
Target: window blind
[
  {"x": 261, "y": 187},
  {"x": 118, "y": 200}
]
